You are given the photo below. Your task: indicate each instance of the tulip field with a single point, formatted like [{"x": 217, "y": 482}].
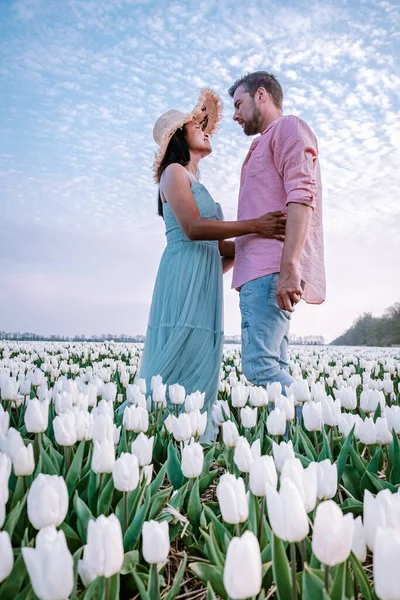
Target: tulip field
[{"x": 108, "y": 491}]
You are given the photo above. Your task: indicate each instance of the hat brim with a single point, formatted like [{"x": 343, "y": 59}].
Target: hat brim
[{"x": 208, "y": 112}]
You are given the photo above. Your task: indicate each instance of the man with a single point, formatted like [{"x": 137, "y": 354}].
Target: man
[{"x": 280, "y": 172}]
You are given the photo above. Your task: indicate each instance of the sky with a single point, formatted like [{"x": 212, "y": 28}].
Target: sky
[{"x": 82, "y": 84}]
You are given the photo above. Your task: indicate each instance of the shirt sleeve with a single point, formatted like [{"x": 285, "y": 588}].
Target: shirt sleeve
[{"x": 296, "y": 156}]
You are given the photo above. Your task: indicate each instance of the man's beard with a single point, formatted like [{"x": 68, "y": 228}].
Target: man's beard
[{"x": 251, "y": 126}]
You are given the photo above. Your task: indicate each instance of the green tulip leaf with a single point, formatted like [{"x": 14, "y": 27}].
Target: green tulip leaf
[
  {"x": 113, "y": 587},
  {"x": 208, "y": 573},
  {"x": 353, "y": 506},
  {"x": 395, "y": 456},
  {"x": 157, "y": 481},
  {"x": 12, "y": 585},
  {"x": 174, "y": 470},
  {"x": 13, "y": 517},
  {"x": 361, "y": 578},
  {"x": 194, "y": 505},
  {"x": 210, "y": 593},
  {"x": 73, "y": 540},
  {"x": 338, "y": 590},
  {"x": 208, "y": 459},
  {"x": 76, "y": 557},
  {"x": 132, "y": 534},
  {"x": 95, "y": 590},
  {"x": 83, "y": 514},
  {"x": 206, "y": 481},
  {"x": 131, "y": 559},
  {"x": 344, "y": 454},
  {"x": 48, "y": 466},
  {"x": 307, "y": 445},
  {"x": 105, "y": 498},
  {"x": 140, "y": 586},
  {"x": 312, "y": 584},
  {"x": 75, "y": 469},
  {"x": 158, "y": 502},
  {"x": 281, "y": 569}
]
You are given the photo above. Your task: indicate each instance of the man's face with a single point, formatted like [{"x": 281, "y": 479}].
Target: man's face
[{"x": 247, "y": 114}]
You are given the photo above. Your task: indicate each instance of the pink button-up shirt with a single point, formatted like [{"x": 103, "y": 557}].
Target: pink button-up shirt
[{"x": 281, "y": 166}]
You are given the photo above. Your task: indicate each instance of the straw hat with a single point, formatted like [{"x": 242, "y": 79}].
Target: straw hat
[{"x": 207, "y": 112}]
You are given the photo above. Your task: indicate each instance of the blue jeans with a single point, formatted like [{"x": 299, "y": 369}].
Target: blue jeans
[{"x": 265, "y": 333}]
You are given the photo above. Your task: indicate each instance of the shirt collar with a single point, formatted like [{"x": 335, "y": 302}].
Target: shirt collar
[{"x": 270, "y": 125}]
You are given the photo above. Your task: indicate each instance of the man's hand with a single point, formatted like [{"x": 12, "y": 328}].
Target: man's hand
[{"x": 288, "y": 289}]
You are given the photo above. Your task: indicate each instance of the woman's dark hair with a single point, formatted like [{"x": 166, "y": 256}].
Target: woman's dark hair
[{"x": 177, "y": 152}]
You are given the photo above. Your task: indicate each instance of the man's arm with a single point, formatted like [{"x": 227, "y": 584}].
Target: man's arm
[{"x": 288, "y": 285}]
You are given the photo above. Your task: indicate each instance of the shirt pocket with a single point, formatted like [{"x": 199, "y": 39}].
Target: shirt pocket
[{"x": 256, "y": 163}]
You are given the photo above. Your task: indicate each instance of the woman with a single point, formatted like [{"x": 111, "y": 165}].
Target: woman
[{"x": 185, "y": 331}]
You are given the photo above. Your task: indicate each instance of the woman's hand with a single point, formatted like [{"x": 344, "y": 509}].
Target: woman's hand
[{"x": 271, "y": 225}]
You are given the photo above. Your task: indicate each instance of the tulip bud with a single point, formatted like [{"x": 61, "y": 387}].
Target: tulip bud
[
  {"x": 103, "y": 427},
  {"x": 383, "y": 435},
  {"x": 383, "y": 510},
  {"x": 5, "y": 472},
  {"x": 83, "y": 425},
  {"x": 156, "y": 544},
  {"x": 333, "y": 534},
  {"x": 240, "y": 394},
  {"x": 64, "y": 429},
  {"x": 249, "y": 417},
  {"x": 218, "y": 410},
  {"x": 192, "y": 460},
  {"x": 23, "y": 461},
  {"x": 103, "y": 555},
  {"x": 304, "y": 479},
  {"x": 177, "y": 394},
  {"x": 358, "y": 546},
  {"x": 146, "y": 473},
  {"x": 258, "y": 396},
  {"x": 286, "y": 404},
  {"x": 282, "y": 452},
  {"x": 103, "y": 457},
  {"x": 346, "y": 423},
  {"x": 312, "y": 416},
  {"x": 168, "y": 424},
  {"x": 158, "y": 394},
  {"x": 276, "y": 422},
  {"x": 47, "y": 501},
  {"x": 198, "y": 422},
  {"x": 347, "y": 397},
  {"x": 231, "y": 494},
  {"x": 4, "y": 421},
  {"x": 386, "y": 562},
  {"x": 7, "y": 555},
  {"x": 367, "y": 431},
  {"x": 36, "y": 416},
  {"x": 331, "y": 411},
  {"x": 50, "y": 565},
  {"x": 125, "y": 472},
  {"x": 242, "y": 456},
  {"x": 136, "y": 419},
  {"x": 263, "y": 475},
  {"x": 142, "y": 448},
  {"x": 327, "y": 479},
  {"x": 181, "y": 427},
  {"x": 370, "y": 399},
  {"x": 274, "y": 390},
  {"x": 194, "y": 401},
  {"x": 230, "y": 434},
  {"x": 243, "y": 567},
  {"x": 13, "y": 442},
  {"x": 287, "y": 501}
]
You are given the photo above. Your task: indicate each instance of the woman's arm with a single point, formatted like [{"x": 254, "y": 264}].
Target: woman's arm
[
  {"x": 226, "y": 248},
  {"x": 176, "y": 188},
  {"x": 227, "y": 264}
]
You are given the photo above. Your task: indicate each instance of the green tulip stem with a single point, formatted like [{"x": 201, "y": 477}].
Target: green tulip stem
[
  {"x": 238, "y": 530},
  {"x": 327, "y": 578},
  {"x": 67, "y": 458},
  {"x": 260, "y": 522},
  {"x": 331, "y": 441},
  {"x": 176, "y": 410},
  {"x": 316, "y": 441},
  {"x": 25, "y": 484},
  {"x": 293, "y": 567},
  {"x": 154, "y": 588},
  {"x": 100, "y": 482},
  {"x": 126, "y": 510},
  {"x": 355, "y": 589},
  {"x": 107, "y": 594},
  {"x": 36, "y": 446}
]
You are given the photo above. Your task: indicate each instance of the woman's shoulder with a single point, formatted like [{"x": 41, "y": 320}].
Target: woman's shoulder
[{"x": 174, "y": 173}]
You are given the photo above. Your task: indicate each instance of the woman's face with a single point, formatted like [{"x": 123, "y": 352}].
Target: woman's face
[{"x": 197, "y": 140}]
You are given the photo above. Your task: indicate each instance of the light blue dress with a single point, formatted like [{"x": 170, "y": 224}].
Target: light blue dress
[{"x": 185, "y": 330}]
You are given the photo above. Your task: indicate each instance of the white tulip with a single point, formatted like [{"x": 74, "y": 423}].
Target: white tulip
[
  {"x": 386, "y": 564},
  {"x": 230, "y": 434},
  {"x": 276, "y": 422},
  {"x": 192, "y": 460},
  {"x": 103, "y": 457},
  {"x": 370, "y": 399},
  {"x": 65, "y": 429},
  {"x": 198, "y": 422},
  {"x": 136, "y": 419},
  {"x": 159, "y": 394},
  {"x": 242, "y": 456},
  {"x": 274, "y": 390},
  {"x": 194, "y": 401},
  {"x": 312, "y": 416},
  {"x": 142, "y": 448},
  {"x": 50, "y": 565},
  {"x": 220, "y": 407},
  {"x": 304, "y": 479},
  {"x": 4, "y": 421},
  {"x": 156, "y": 544},
  {"x": 286, "y": 512},
  {"x": 47, "y": 501},
  {"x": 383, "y": 435},
  {"x": 258, "y": 396},
  {"x": 5, "y": 472},
  {"x": 176, "y": 394},
  {"x": 358, "y": 546},
  {"x": 331, "y": 411},
  {"x": 231, "y": 494},
  {"x": 282, "y": 452},
  {"x": 240, "y": 394},
  {"x": 286, "y": 404},
  {"x": 125, "y": 472},
  {"x": 347, "y": 397},
  {"x": 327, "y": 479},
  {"x": 383, "y": 510},
  {"x": 23, "y": 461},
  {"x": 243, "y": 567},
  {"x": 36, "y": 416},
  {"x": 367, "y": 431},
  {"x": 7, "y": 556},
  {"x": 103, "y": 555},
  {"x": 103, "y": 427},
  {"x": 333, "y": 534},
  {"x": 249, "y": 417},
  {"x": 263, "y": 475},
  {"x": 181, "y": 427}
]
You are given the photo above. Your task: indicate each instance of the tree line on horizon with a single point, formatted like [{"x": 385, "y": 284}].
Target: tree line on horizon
[{"x": 373, "y": 331}]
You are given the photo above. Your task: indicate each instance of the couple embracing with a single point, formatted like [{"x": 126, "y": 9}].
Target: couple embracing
[{"x": 277, "y": 255}]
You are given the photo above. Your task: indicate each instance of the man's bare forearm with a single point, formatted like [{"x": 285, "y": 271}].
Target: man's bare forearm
[{"x": 297, "y": 225}]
